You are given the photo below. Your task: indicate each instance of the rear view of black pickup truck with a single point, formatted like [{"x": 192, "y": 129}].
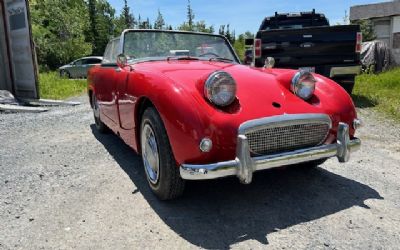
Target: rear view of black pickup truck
[{"x": 305, "y": 40}]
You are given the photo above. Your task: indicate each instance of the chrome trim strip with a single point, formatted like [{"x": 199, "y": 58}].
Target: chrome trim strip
[
  {"x": 340, "y": 71},
  {"x": 244, "y": 165}
]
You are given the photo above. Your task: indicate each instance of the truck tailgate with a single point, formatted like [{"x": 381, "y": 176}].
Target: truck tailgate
[{"x": 310, "y": 46}]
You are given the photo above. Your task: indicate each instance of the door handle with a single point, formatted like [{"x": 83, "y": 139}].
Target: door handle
[{"x": 118, "y": 69}]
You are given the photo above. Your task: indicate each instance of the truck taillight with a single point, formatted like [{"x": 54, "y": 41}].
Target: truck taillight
[
  {"x": 359, "y": 42},
  {"x": 257, "y": 48}
]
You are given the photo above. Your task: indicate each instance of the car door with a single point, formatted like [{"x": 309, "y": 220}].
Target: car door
[
  {"x": 106, "y": 84},
  {"x": 75, "y": 68},
  {"x": 127, "y": 83},
  {"x": 106, "y": 93},
  {"x": 81, "y": 71}
]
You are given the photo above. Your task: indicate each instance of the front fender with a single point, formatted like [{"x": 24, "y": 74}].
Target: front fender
[{"x": 183, "y": 118}]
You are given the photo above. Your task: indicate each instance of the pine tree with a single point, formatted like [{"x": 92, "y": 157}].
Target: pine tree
[
  {"x": 190, "y": 15},
  {"x": 221, "y": 30},
  {"x": 228, "y": 33},
  {"x": 159, "y": 24},
  {"x": 211, "y": 29},
  {"x": 233, "y": 37},
  {"x": 140, "y": 24},
  {"x": 148, "y": 24},
  {"x": 92, "y": 19},
  {"x": 129, "y": 19}
]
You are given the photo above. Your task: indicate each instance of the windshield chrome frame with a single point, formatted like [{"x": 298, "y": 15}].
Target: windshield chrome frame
[{"x": 122, "y": 40}]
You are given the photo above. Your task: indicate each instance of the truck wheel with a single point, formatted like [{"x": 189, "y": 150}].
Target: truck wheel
[
  {"x": 158, "y": 160},
  {"x": 100, "y": 126}
]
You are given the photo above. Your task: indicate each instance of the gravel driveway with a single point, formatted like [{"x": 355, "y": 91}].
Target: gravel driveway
[{"x": 64, "y": 186}]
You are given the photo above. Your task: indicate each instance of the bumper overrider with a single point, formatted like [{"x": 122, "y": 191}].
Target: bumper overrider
[{"x": 244, "y": 165}]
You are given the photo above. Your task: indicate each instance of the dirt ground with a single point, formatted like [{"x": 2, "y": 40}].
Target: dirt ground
[{"x": 64, "y": 186}]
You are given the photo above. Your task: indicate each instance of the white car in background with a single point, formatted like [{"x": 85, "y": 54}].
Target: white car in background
[{"x": 80, "y": 67}]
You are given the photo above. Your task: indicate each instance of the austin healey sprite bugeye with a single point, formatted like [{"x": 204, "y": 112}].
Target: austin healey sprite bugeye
[{"x": 185, "y": 103}]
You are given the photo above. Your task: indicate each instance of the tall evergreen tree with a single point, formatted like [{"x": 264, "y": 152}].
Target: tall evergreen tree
[
  {"x": 92, "y": 34},
  {"x": 228, "y": 34},
  {"x": 221, "y": 30},
  {"x": 190, "y": 15},
  {"x": 139, "y": 22},
  {"x": 159, "y": 24},
  {"x": 211, "y": 29},
  {"x": 129, "y": 19},
  {"x": 148, "y": 24}
]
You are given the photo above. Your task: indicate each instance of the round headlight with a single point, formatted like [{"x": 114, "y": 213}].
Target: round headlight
[
  {"x": 303, "y": 84},
  {"x": 220, "y": 88}
]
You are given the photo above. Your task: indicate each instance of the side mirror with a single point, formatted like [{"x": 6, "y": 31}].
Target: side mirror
[
  {"x": 269, "y": 63},
  {"x": 122, "y": 61}
]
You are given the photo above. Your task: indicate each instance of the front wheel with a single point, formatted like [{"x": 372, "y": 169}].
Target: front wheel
[{"x": 158, "y": 160}]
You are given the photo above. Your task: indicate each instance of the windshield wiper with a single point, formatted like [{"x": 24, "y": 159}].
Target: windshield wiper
[
  {"x": 223, "y": 59},
  {"x": 182, "y": 58}
]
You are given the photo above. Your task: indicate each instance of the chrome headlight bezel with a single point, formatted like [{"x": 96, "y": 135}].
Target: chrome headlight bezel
[
  {"x": 220, "y": 89},
  {"x": 303, "y": 84}
]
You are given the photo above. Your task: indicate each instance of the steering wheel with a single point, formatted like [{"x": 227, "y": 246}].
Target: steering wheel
[{"x": 209, "y": 54}]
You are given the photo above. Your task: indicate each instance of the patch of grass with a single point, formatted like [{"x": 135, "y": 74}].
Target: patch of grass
[
  {"x": 380, "y": 91},
  {"x": 52, "y": 86}
]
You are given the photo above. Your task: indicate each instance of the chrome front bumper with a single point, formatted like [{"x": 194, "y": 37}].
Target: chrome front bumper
[{"x": 244, "y": 165}]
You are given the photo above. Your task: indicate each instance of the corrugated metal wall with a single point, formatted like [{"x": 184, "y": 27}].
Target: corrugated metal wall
[{"x": 5, "y": 81}]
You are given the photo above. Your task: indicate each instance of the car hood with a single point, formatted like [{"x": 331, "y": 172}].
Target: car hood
[{"x": 260, "y": 92}]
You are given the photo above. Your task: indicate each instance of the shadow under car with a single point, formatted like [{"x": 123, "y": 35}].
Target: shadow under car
[{"x": 219, "y": 213}]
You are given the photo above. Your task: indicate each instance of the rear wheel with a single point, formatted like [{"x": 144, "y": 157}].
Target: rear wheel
[
  {"x": 158, "y": 160},
  {"x": 101, "y": 127}
]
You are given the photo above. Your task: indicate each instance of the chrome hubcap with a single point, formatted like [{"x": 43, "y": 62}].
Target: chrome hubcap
[{"x": 150, "y": 154}]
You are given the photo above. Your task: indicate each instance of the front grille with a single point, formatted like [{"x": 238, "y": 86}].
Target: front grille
[{"x": 283, "y": 138}]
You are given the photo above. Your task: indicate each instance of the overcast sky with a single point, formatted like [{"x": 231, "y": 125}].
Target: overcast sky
[{"x": 242, "y": 15}]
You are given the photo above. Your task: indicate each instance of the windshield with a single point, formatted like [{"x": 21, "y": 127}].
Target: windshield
[{"x": 156, "y": 45}]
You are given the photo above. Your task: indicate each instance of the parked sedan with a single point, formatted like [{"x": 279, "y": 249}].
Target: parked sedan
[
  {"x": 79, "y": 68},
  {"x": 202, "y": 115}
]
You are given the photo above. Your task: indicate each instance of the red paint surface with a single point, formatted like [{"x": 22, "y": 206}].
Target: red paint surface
[{"x": 175, "y": 88}]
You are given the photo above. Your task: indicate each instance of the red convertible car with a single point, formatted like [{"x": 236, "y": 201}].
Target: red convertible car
[{"x": 185, "y": 103}]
